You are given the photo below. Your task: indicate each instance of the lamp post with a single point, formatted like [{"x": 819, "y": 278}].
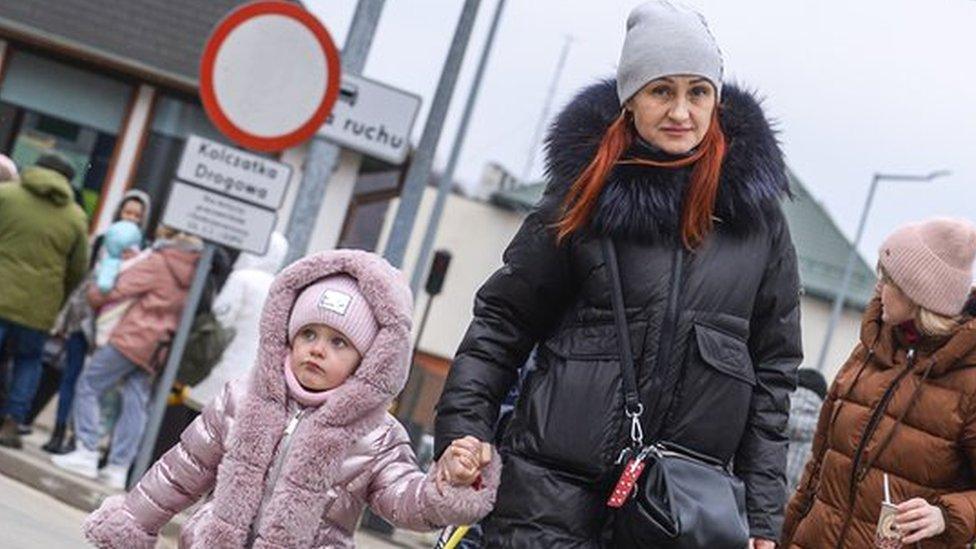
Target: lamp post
[{"x": 852, "y": 256}]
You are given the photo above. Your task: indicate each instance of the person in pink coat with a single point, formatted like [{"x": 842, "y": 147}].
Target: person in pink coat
[
  {"x": 156, "y": 285},
  {"x": 293, "y": 453}
]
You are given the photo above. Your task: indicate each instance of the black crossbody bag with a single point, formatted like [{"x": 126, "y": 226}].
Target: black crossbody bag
[{"x": 667, "y": 495}]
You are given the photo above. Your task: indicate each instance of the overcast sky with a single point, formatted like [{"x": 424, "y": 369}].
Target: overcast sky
[{"x": 856, "y": 87}]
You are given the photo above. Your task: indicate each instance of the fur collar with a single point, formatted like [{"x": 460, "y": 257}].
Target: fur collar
[
  {"x": 953, "y": 353},
  {"x": 644, "y": 204},
  {"x": 352, "y": 410}
]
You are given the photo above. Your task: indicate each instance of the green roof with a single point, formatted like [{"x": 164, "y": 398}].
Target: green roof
[
  {"x": 821, "y": 247},
  {"x": 823, "y": 250},
  {"x": 521, "y": 199}
]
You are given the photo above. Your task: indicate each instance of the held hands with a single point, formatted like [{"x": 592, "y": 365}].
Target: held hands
[
  {"x": 918, "y": 520},
  {"x": 462, "y": 462}
]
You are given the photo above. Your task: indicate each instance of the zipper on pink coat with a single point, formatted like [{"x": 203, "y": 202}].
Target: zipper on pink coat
[{"x": 275, "y": 472}]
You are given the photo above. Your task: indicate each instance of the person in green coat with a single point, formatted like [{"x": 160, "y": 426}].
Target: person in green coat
[{"x": 43, "y": 257}]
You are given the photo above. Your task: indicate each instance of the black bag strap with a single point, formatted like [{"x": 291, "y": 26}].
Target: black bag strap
[{"x": 633, "y": 407}]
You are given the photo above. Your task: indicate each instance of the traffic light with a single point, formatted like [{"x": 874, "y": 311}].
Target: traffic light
[{"x": 438, "y": 270}]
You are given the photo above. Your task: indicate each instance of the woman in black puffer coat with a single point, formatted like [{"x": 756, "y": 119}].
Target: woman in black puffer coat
[{"x": 686, "y": 179}]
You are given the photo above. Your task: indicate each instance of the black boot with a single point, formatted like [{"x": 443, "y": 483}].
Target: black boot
[
  {"x": 9, "y": 436},
  {"x": 56, "y": 443}
]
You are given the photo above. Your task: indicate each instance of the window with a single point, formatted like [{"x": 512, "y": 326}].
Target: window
[{"x": 48, "y": 106}]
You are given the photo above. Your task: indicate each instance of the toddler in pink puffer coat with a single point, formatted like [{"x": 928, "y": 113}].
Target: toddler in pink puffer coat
[{"x": 291, "y": 455}]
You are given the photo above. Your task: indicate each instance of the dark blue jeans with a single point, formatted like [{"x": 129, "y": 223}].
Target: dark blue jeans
[
  {"x": 75, "y": 351},
  {"x": 26, "y": 373}
]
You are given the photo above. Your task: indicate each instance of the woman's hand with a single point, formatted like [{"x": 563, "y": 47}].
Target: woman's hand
[
  {"x": 917, "y": 519},
  {"x": 462, "y": 462},
  {"x": 759, "y": 543}
]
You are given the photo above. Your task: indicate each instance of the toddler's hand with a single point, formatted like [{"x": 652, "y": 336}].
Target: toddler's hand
[{"x": 462, "y": 462}]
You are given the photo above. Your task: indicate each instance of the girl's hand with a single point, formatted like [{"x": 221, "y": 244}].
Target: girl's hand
[
  {"x": 917, "y": 519},
  {"x": 462, "y": 462},
  {"x": 759, "y": 543}
]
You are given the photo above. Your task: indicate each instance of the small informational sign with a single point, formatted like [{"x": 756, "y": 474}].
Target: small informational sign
[
  {"x": 233, "y": 172},
  {"x": 219, "y": 218},
  {"x": 372, "y": 118},
  {"x": 226, "y": 195}
]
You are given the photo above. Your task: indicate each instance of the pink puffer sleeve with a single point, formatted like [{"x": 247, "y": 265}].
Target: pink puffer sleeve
[
  {"x": 404, "y": 495},
  {"x": 176, "y": 481}
]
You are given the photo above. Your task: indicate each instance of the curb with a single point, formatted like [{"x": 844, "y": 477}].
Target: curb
[{"x": 32, "y": 466}]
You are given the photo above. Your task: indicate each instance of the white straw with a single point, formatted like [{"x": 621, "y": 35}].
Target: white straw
[{"x": 887, "y": 489}]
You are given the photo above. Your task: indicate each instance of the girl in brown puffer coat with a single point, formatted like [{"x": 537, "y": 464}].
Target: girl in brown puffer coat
[{"x": 904, "y": 405}]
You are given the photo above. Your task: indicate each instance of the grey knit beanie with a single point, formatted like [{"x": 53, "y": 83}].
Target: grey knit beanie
[
  {"x": 932, "y": 262},
  {"x": 666, "y": 38}
]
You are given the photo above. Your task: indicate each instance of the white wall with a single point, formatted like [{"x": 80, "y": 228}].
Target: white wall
[
  {"x": 476, "y": 234},
  {"x": 815, "y": 313}
]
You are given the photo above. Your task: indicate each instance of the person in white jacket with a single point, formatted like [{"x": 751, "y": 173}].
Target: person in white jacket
[{"x": 238, "y": 306}]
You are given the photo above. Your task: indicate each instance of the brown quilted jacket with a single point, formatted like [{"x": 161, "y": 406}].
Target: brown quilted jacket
[{"x": 905, "y": 409}]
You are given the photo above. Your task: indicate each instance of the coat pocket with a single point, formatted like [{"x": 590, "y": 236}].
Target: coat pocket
[
  {"x": 714, "y": 395},
  {"x": 572, "y": 410},
  {"x": 725, "y": 352}
]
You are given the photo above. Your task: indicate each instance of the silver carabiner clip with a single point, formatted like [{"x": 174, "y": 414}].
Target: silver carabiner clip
[{"x": 636, "y": 430}]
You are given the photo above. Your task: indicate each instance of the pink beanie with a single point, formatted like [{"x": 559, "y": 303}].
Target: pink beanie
[
  {"x": 932, "y": 262},
  {"x": 8, "y": 170},
  {"x": 337, "y": 302}
]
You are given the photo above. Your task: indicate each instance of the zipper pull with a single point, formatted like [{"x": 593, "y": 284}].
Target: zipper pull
[{"x": 290, "y": 428}]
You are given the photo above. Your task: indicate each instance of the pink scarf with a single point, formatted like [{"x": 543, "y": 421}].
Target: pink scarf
[{"x": 299, "y": 393}]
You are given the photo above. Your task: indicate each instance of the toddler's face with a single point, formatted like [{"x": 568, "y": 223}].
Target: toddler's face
[{"x": 322, "y": 358}]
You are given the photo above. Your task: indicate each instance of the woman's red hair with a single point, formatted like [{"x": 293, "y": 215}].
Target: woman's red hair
[{"x": 699, "y": 201}]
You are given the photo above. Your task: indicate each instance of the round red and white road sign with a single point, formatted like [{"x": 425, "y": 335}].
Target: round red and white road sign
[{"x": 269, "y": 75}]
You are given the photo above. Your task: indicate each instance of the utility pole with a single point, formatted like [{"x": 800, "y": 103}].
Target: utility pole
[
  {"x": 540, "y": 127},
  {"x": 419, "y": 171},
  {"x": 322, "y": 157},
  {"x": 447, "y": 178}
]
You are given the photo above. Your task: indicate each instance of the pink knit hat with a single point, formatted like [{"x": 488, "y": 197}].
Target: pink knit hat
[
  {"x": 932, "y": 262},
  {"x": 337, "y": 302}
]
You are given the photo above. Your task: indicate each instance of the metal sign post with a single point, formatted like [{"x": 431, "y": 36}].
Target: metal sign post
[{"x": 419, "y": 171}]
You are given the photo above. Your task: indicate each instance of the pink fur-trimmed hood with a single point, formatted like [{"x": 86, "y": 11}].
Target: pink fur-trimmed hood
[{"x": 381, "y": 376}]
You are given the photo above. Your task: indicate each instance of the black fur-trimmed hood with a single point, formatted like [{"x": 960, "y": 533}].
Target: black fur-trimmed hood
[{"x": 644, "y": 203}]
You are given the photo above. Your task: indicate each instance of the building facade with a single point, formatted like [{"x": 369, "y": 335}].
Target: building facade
[{"x": 112, "y": 85}]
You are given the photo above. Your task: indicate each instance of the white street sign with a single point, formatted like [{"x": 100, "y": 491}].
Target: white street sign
[
  {"x": 233, "y": 172},
  {"x": 372, "y": 118},
  {"x": 219, "y": 218}
]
